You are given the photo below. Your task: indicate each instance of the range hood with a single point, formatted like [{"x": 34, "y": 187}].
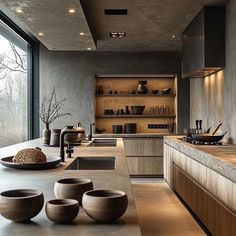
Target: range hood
[{"x": 203, "y": 43}]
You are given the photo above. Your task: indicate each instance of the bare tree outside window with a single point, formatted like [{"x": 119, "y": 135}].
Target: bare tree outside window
[{"x": 13, "y": 93}]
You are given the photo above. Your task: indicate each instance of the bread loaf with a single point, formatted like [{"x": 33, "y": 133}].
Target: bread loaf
[{"x": 30, "y": 156}]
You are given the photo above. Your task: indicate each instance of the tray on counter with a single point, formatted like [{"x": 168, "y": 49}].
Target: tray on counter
[{"x": 52, "y": 161}]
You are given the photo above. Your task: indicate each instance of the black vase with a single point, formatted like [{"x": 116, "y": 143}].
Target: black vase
[{"x": 46, "y": 135}]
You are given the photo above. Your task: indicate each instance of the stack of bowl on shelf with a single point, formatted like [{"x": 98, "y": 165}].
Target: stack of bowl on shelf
[{"x": 101, "y": 205}]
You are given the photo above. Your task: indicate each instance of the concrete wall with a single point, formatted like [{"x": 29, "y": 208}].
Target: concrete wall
[
  {"x": 73, "y": 75},
  {"x": 214, "y": 98}
]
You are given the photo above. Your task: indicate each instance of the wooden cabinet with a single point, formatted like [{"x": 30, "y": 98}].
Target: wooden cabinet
[
  {"x": 144, "y": 156},
  {"x": 218, "y": 218}
]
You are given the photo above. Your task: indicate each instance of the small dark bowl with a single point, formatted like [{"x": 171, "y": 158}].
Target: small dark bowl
[
  {"x": 137, "y": 110},
  {"x": 21, "y": 205},
  {"x": 62, "y": 211},
  {"x": 105, "y": 205},
  {"x": 166, "y": 91},
  {"x": 155, "y": 91}
]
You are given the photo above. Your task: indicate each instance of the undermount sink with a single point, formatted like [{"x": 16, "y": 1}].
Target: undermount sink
[
  {"x": 93, "y": 163},
  {"x": 103, "y": 143}
]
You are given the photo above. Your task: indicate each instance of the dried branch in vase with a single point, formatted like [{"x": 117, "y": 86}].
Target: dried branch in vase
[{"x": 50, "y": 108}]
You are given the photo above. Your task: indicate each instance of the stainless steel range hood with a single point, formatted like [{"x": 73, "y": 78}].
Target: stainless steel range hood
[{"x": 204, "y": 43}]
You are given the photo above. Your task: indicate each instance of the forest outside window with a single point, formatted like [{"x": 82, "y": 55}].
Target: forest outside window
[{"x": 14, "y": 95}]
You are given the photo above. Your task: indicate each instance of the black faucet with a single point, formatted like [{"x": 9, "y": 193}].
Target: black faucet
[
  {"x": 62, "y": 152},
  {"x": 91, "y": 131}
]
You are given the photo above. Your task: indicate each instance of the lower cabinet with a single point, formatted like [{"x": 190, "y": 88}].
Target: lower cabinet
[
  {"x": 217, "y": 218},
  {"x": 144, "y": 156},
  {"x": 145, "y": 165}
]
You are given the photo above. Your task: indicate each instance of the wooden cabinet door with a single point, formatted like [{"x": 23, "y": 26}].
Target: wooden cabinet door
[
  {"x": 150, "y": 165},
  {"x": 133, "y": 165},
  {"x": 143, "y": 146}
]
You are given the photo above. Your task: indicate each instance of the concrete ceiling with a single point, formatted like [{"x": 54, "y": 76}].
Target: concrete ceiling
[{"x": 149, "y": 25}]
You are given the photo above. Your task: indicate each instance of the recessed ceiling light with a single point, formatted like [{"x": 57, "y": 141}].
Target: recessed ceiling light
[
  {"x": 81, "y": 33},
  {"x": 173, "y": 36},
  {"x": 18, "y": 10},
  {"x": 71, "y": 10},
  {"x": 89, "y": 49},
  {"x": 117, "y": 34},
  {"x": 40, "y": 34}
]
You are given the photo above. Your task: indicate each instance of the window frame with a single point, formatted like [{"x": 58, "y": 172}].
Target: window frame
[{"x": 33, "y": 76}]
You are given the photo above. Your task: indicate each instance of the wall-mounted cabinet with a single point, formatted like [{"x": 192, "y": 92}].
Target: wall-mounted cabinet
[{"x": 114, "y": 94}]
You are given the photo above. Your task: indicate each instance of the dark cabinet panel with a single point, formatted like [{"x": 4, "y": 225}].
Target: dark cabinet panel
[{"x": 204, "y": 43}]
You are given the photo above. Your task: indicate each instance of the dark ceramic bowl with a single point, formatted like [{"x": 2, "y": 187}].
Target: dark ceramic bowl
[
  {"x": 62, "y": 211},
  {"x": 137, "y": 110},
  {"x": 72, "y": 188},
  {"x": 155, "y": 91},
  {"x": 105, "y": 205},
  {"x": 21, "y": 205},
  {"x": 130, "y": 128}
]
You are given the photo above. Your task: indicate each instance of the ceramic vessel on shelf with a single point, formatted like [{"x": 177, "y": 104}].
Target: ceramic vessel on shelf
[
  {"x": 62, "y": 211},
  {"x": 142, "y": 87},
  {"x": 21, "y": 205},
  {"x": 72, "y": 188},
  {"x": 105, "y": 205}
]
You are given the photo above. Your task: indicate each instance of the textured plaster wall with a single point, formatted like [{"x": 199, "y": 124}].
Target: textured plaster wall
[
  {"x": 73, "y": 74},
  {"x": 214, "y": 98}
]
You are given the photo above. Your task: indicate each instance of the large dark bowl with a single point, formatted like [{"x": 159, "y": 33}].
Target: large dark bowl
[
  {"x": 62, "y": 211},
  {"x": 21, "y": 205},
  {"x": 72, "y": 188},
  {"x": 130, "y": 128},
  {"x": 137, "y": 110},
  {"x": 105, "y": 205}
]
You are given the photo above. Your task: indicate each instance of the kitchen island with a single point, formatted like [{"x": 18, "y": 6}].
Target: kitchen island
[
  {"x": 44, "y": 180},
  {"x": 204, "y": 177}
]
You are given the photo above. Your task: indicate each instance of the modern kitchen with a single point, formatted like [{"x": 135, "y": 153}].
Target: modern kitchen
[{"x": 117, "y": 117}]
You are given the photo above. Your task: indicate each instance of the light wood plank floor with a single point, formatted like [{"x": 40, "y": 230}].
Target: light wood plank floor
[{"x": 160, "y": 212}]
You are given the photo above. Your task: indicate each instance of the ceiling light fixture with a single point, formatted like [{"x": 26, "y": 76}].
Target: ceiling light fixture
[
  {"x": 18, "y": 10},
  {"x": 40, "y": 34},
  {"x": 71, "y": 10},
  {"x": 173, "y": 36},
  {"x": 81, "y": 33},
  {"x": 117, "y": 34},
  {"x": 89, "y": 49}
]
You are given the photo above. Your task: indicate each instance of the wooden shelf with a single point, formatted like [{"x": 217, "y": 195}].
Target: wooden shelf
[
  {"x": 136, "y": 95},
  {"x": 134, "y": 116}
]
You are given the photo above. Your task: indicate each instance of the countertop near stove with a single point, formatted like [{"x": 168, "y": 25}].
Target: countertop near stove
[{"x": 219, "y": 158}]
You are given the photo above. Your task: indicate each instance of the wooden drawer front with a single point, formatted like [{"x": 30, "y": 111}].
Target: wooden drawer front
[
  {"x": 143, "y": 147},
  {"x": 145, "y": 165},
  {"x": 219, "y": 219}
]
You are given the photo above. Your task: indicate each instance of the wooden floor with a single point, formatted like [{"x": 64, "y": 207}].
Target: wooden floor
[{"x": 160, "y": 212}]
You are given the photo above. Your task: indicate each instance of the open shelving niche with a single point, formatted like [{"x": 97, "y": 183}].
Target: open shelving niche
[{"x": 123, "y": 85}]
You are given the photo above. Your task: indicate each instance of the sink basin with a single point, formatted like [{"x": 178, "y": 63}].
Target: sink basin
[
  {"x": 103, "y": 143},
  {"x": 93, "y": 163}
]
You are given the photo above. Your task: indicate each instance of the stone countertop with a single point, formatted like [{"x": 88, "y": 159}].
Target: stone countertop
[
  {"x": 44, "y": 180},
  {"x": 136, "y": 135},
  {"x": 221, "y": 159}
]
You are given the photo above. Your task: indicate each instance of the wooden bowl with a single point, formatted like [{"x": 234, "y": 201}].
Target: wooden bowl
[
  {"x": 72, "y": 188},
  {"x": 105, "y": 205},
  {"x": 62, "y": 211},
  {"x": 21, "y": 205}
]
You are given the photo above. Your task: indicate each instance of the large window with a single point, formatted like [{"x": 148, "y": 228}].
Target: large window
[{"x": 14, "y": 87}]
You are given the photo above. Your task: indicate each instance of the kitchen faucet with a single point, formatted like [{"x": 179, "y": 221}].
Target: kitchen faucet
[
  {"x": 91, "y": 131},
  {"x": 63, "y": 133}
]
